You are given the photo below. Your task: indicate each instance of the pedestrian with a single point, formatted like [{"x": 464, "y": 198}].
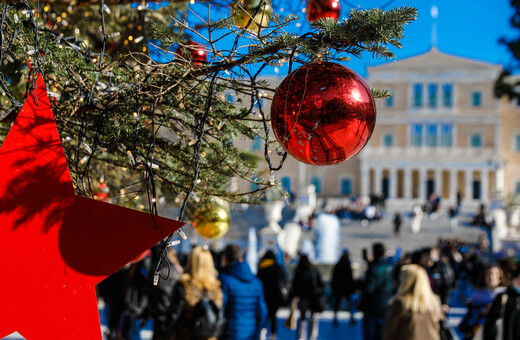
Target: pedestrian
[
  {"x": 452, "y": 213},
  {"x": 160, "y": 295},
  {"x": 199, "y": 280},
  {"x": 343, "y": 286},
  {"x": 378, "y": 289},
  {"x": 441, "y": 274},
  {"x": 244, "y": 303},
  {"x": 308, "y": 292},
  {"x": 397, "y": 223},
  {"x": 490, "y": 284},
  {"x": 274, "y": 282},
  {"x": 416, "y": 311},
  {"x": 135, "y": 297},
  {"x": 505, "y": 307},
  {"x": 417, "y": 215}
]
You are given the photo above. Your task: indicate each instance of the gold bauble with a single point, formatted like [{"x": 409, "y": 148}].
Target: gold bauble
[
  {"x": 242, "y": 14},
  {"x": 211, "y": 221}
]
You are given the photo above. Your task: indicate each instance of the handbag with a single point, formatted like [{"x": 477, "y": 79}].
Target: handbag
[
  {"x": 446, "y": 332},
  {"x": 290, "y": 322}
]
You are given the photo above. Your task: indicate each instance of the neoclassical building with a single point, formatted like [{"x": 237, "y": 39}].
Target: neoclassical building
[{"x": 441, "y": 132}]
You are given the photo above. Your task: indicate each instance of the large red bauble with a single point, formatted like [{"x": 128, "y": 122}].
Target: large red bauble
[
  {"x": 197, "y": 51},
  {"x": 323, "y": 113},
  {"x": 317, "y": 9}
]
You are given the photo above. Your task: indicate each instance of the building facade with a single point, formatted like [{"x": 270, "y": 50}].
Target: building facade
[{"x": 441, "y": 132}]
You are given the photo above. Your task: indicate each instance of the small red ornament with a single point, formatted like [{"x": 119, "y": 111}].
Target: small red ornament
[
  {"x": 317, "y": 9},
  {"x": 197, "y": 51},
  {"x": 323, "y": 113}
]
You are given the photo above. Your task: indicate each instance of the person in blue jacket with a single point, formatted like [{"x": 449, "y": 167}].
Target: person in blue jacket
[{"x": 244, "y": 304}]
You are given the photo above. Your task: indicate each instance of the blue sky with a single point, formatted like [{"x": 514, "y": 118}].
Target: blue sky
[{"x": 464, "y": 28}]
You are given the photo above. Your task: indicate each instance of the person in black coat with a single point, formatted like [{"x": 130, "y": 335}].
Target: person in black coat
[
  {"x": 274, "y": 282},
  {"x": 308, "y": 291},
  {"x": 160, "y": 295},
  {"x": 506, "y": 306},
  {"x": 342, "y": 285},
  {"x": 397, "y": 223}
]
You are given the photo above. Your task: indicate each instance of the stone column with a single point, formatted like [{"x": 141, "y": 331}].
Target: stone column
[
  {"x": 422, "y": 184},
  {"x": 393, "y": 182},
  {"x": 484, "y": 183},
  {"x": 378, "y": 179},
  {"x": 365, "y": 181},
  {"x": 438, "y": 182},
  {"x": 407, "y": 183}
]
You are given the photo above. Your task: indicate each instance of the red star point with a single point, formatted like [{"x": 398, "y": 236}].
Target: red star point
[{"x": 56, "y": 246}]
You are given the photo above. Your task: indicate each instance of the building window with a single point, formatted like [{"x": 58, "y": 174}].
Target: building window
[
  {"x": 346, "y": 186},
  {"x": 446, "y": 135},
  {"x": 416, "y": 137},
  {"x": 476, "y": 98},
  {"x": 476, "y": 141},
  {"x": 316, "y": 181},
  {"x": 431, "y": 135},
  {"x": 389, "y": 101},
  {"x": 517, "y": 143},
  {"x": 388, "y": 140},
  {"x": 432, "y": 95},
  {"x": 257, "y": 143},
  {"x": 417, "y": 95},
  {"x": 447, "y": 95},
  {"x": 286, "y": 183}
]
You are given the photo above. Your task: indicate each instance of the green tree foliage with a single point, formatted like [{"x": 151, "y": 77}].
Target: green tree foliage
[
  {"x": 504, "y": 86},
  {"x": 165, "y": 129}
]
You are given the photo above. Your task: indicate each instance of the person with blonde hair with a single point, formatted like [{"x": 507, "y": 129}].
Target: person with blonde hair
[
  {"x": 200, "y": 278},
  {"x": 416, "y": 311}
]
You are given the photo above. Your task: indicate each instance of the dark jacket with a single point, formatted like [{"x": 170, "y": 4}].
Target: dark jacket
[
  {"x": 307, "y": 284},
  {"x": 377, "y": 289},
  {"x": 342, "y": 282},
  {"x": 443, "y": 278},
  {"x": 160, "y": 297},
  {"x": 511, "y": 320},
  {"x": 244, "y": 304},
  {"x": 274, "y": 282}
]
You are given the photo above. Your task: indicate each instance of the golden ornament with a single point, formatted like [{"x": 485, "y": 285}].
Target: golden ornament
[
  {"x": 242, "y": 14},
  {"x": 211, "y": 221}
]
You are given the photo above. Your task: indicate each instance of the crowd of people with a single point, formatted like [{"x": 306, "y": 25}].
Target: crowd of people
[{"x": 404, "y": 297}]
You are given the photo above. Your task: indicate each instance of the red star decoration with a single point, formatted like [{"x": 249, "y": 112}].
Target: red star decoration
[{"x": 56, "y": 246}]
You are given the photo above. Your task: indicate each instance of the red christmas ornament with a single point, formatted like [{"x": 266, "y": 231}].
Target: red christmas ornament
[
  {"x": 56, "y": 246},
  {"x": 317, "y": 9},
  {"x": 197, "y": 51},
  {"x": 323, "y": 113}
]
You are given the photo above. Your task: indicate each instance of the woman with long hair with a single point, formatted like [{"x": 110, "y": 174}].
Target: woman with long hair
[
  {"x": 200, "y": 277},
  {"x": 416, "y": 311}
]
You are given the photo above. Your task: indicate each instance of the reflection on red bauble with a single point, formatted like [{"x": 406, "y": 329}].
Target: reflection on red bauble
[
  {"x": 197, "y": 51},
  {"x": 317, "y": 9},
  {"x": 323, "y": 113}
]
